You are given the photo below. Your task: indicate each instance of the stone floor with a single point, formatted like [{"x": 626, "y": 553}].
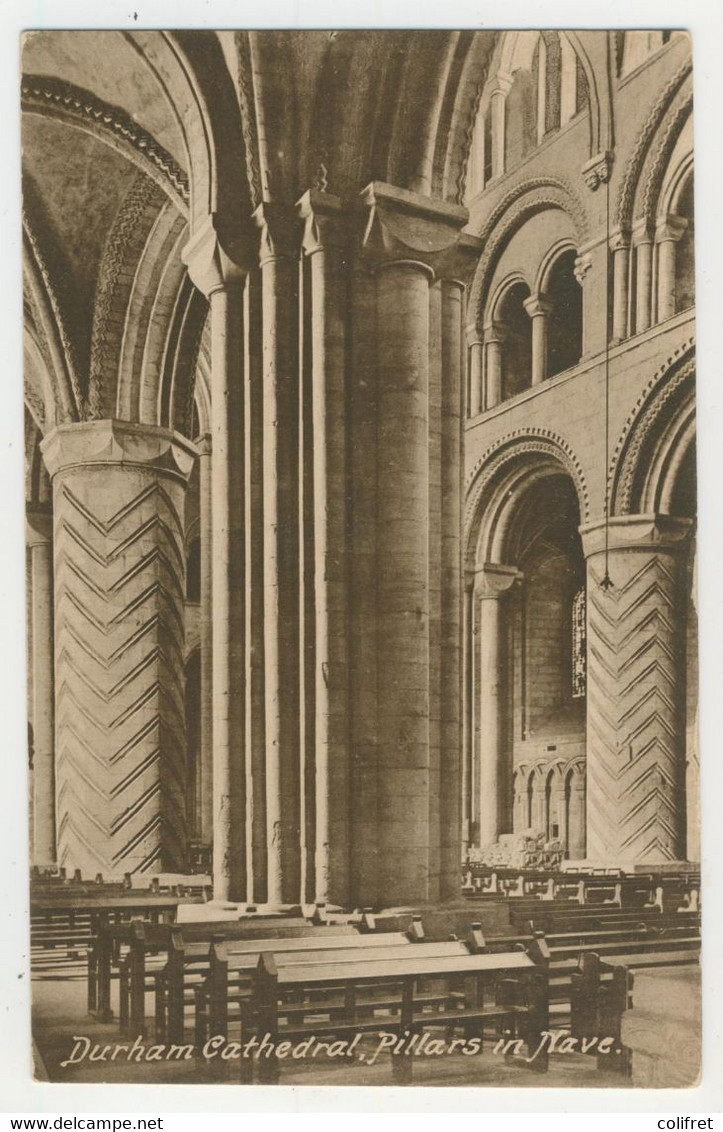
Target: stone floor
[{"x": 59, "y": 1016}]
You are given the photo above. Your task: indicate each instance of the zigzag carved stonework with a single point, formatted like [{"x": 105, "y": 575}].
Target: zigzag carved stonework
[
  {"x": 636, "y": 725},
  {"x": 119, "y": 592}
]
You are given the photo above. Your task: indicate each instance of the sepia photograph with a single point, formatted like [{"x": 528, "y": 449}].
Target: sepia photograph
[{"x": 360, "y": 557}]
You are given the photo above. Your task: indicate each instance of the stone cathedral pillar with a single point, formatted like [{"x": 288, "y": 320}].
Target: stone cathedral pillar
[
  {"x": 491, "y": 585},
  {"x": 39, "y": 540},
  {"x": 220, "y": 279},
  {"x": 203, "y": 446},
  {"x": 413, "y": 247},
  {"x": 636, "y": 710},
  {"x": 325, "y": 326},
  {"x": 118, "y": 492},
  {"x": 278, "y": 262}
]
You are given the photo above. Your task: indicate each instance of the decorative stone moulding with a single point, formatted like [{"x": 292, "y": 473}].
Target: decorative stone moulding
[
  {"x": 582, "y": 265},
  {"x": 597, "y": 170},
  {"x": 56, "y": 98},
  {"x": 635, "y": 532},
  {"x": 215, "y": 256},
  {"x": 403, "y": 225},
  {"x": 118, "y": 442}
]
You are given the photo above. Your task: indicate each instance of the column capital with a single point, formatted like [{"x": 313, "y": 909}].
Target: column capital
[
  {"x": 495, "y": 332},
  {"x": 215, "y": 260},
  {"x": 279, "y": 231},
  {"x": 493, "y": 580},
  {"x": 642, "y": 233},
  {"x": 112, "y": 442},
  {"x": 636, "y": 532},
  {"x": 401, "y": 225},
  {"x": 38, "y": 526},
  {"x": 619, "y": 239},
  {"x": 597, "y": 170},
  {"x": 204, "y": 444},
  {"x": 670, "y": 228},
  {"x": 538, "y": 306},
  {"x": 326, "y": 224},
  {"x": 503, "y": 83}
]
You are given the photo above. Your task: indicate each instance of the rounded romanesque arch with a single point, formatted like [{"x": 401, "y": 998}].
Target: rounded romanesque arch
[
  {"x": 50, "y": 97},
  {"x": 513, "y": 211},
  {"x": 656, "y": 438},
  {"x": 669, "y": 103},
  {"x": 501, "y": 474}
]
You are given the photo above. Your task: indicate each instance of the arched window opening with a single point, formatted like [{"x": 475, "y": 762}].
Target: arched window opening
[
  {"x": 684, "y": 251},
  {"x": 549, "y": 816},
  {"x": 565, "y": 319},
  {"x": 193, "y": 571},
  {"x": 546, "y": 713},
  {"x": 579, "y": 644},
  {"x": 487, "y": 147},
  {"x": 520, "y": 126},
  {"x": 530, "y": 819},
  {"x": 517, "y": 345},
  {"x": 553, "y": 81},
  {"x": 582, "y": 92}
]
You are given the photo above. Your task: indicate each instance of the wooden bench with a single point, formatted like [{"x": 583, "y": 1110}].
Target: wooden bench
[
  {"x": 183, "y": 951},
  {"x": 226, "y": 989},
  {"x": 65, "y": 927},
  {"x": 294, "y": 1001}
]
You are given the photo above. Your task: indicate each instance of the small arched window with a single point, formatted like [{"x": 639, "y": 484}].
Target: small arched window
[
  {"x": 517, "y": 345},
  {"x": 684, "y": 251},
  {"x": 565, "y": 319}
]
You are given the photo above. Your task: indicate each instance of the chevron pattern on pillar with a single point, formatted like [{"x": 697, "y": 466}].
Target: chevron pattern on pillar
[
  {"x": 635, "y": 755},
  {"x": 119, "y": 660}
]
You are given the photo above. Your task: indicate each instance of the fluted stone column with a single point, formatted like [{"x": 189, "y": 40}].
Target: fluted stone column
[
  {"x": 539, "y": 309},
  {"x": 39, "y": 541},
  {"x": 220, "y": 279},
  {"x": 643, "y": 244},
  {"x": 475, "y": 346},
  {"x": 203, "y": 446},
  {"x": 278, "y": 261},
  {"x": 494, "y": 336},
  {"x": 620, "y": 251},
  {"x": 635, "y": 698},
  {"x": 491, "y": 584},
  {"x": 324, "y": 242},
  {"x": 118, "y": 493},
  {"x": 667, "y": 233}
]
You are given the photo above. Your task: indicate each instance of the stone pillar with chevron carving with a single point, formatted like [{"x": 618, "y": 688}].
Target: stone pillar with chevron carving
[
  {"x": 636, "y": 801},
  {"x": 118, "y": 496},
  {"x": 39, "y": 541}
]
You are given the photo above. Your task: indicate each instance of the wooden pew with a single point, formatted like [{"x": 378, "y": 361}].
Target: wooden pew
[
  {"x": 227, "y": 986},
  {"x": 65, "y": 925},
  {"x": 202, "y": 963},
  {"x": 289, "y": 999},
  {"x": 184, "y": 950},
  {"x": 598, "y": 998}
]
